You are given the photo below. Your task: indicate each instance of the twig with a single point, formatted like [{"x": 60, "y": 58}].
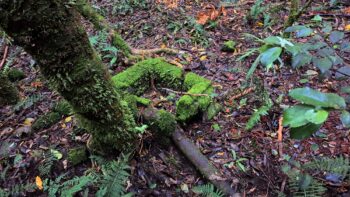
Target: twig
[
  {"x": 280, "y": 135},
  {"x": 245, "y": 92},
  {"x": 4, "y": 56},
  {"x": 183, "y": 93}
]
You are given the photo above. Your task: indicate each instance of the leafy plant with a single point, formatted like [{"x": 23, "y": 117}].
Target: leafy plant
[
  {"x": 207, "y": 190},
  {"x": 236, "y": 162},
  {"x": 269, "y": 52},
  {"x": 256, "y": 11},
  {"x": 114, "y": 176},
  {"x": 301, "y": 183},
  {"x": 307, "y": 117},
  {"x": 27, "y": 103},
  {"x": 17, "y": 190},
  {"x": 261, "y": 111},
  {"x": 103, "y": 46}
]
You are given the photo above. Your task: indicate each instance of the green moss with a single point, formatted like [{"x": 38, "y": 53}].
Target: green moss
[
  {"x": 77, "y": 155},
  {"x": 120, "y": 43},
  {"x": 45, "y": 121},
  {"x": 229, "y": 46},
  {"x": 63, "y": 108},
  {"x": 212, "y": 110},
  {"x": 166, "y": 123},
  {"x": 189, "y": 106},
  {"x": 15, "y": 75},
  {"x": 136, "y": 79},
  {"x": 8, "y": 92},
  {"x": 186, "y": 108}
]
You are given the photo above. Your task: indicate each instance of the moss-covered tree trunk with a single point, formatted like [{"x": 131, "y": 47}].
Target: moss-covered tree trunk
[{"x": 50, "y": 30}]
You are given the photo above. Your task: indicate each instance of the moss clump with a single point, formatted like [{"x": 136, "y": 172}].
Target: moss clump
[
  {"x": 45, "y": 121},
  {"x": 15, "y": 75},
  {"x": 136, "y": 79},
  {"x": 212, "y": 110},
  {"x": 189, "y": 106},
  {"x": 77, "y": 155},
  {"x": 229, "y": 46},
  {"x": 120, "y": 43},
  {"x": 63, "y": 108},
  {"x": 8, "y": 92}
]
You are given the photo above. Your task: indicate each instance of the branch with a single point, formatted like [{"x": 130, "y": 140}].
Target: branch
[{"x": 4, "y": 56}]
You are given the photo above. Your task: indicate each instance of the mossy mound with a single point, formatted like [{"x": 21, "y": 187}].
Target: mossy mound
[
  {"x": 137, "y": 79},
  {"x": 45, "y": 121},
  {"x": 15, "y": 75},
  {"x": 77, "y": 155},
  {"x": 62, "y": 108},
  {"x": 229, "y": 46}
]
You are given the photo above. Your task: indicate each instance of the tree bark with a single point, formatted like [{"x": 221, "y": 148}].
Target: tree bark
[{"x": 51, "y": 31}]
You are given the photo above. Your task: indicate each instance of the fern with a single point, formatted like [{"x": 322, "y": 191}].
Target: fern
[
  {"x": 113, "y": 179},
  {"x": 339, "y": 166},
  {"x": 303, "y": 185},
  {"x": 30, "y": 101},
  {"x": 261, "y": 111},
  {"x": 67, "y": 188},
  {"x": 46, "y": 166},
  {"x": 207, "y": 190},
  {"x": 17, "y": 190}
]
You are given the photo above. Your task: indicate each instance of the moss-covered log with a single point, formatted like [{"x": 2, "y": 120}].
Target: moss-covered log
[
  {"x": 136, "y": 79},
  {"x": 8, "y": 92},
  {"x": 51, "y": 31}
]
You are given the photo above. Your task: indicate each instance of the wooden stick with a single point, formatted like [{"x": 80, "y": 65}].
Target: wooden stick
[
  {"x": 3, "y": 61},
  {"x": 280, "y": 135},
  {"x": 183, "y": 93},
  {"x": 209, "y": 171}
]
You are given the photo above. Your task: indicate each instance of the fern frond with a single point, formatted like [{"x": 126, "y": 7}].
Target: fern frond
[
  {"x": 17, "y": 190},
  {"x": 72, "y": 186},
  {"x": 339, "y": 166},
  {"x": 115, "y": 176},
  {"x": 30, "y": 101},
  {"x": 255, "y": 118},
  {"x": 207, "y": 190}
]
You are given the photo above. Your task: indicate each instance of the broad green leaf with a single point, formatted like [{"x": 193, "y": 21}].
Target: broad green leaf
[
  {"x": 318, "y": 99},
  {"x": 253, "y": 67},
  {"x": 295, "y": 116},
  {"x": 301, "y": 59},
  {"x": 304, "y": 131},
  {"x": 316, "y": 116},
  {"x": 327, "y": 28},
  {"x": 57, "y": 154},
  {"x": 336, "y": 36},
  {"x": 345, "y": 118},
  {"x": 345, "y": 46},
  {"x": 343, "y": 72},
  {"x": 317, "y": 18},
  {"x": 304, "y": 32},
  {"x": 295, "y": 28},
  {"x": 270, "y": 55},
  {"x": 324, "y": 64},
  {"x": 276, "y": 40}
]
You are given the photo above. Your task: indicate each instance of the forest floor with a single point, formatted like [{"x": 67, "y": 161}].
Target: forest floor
[{"x": 250, "y": 160}]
